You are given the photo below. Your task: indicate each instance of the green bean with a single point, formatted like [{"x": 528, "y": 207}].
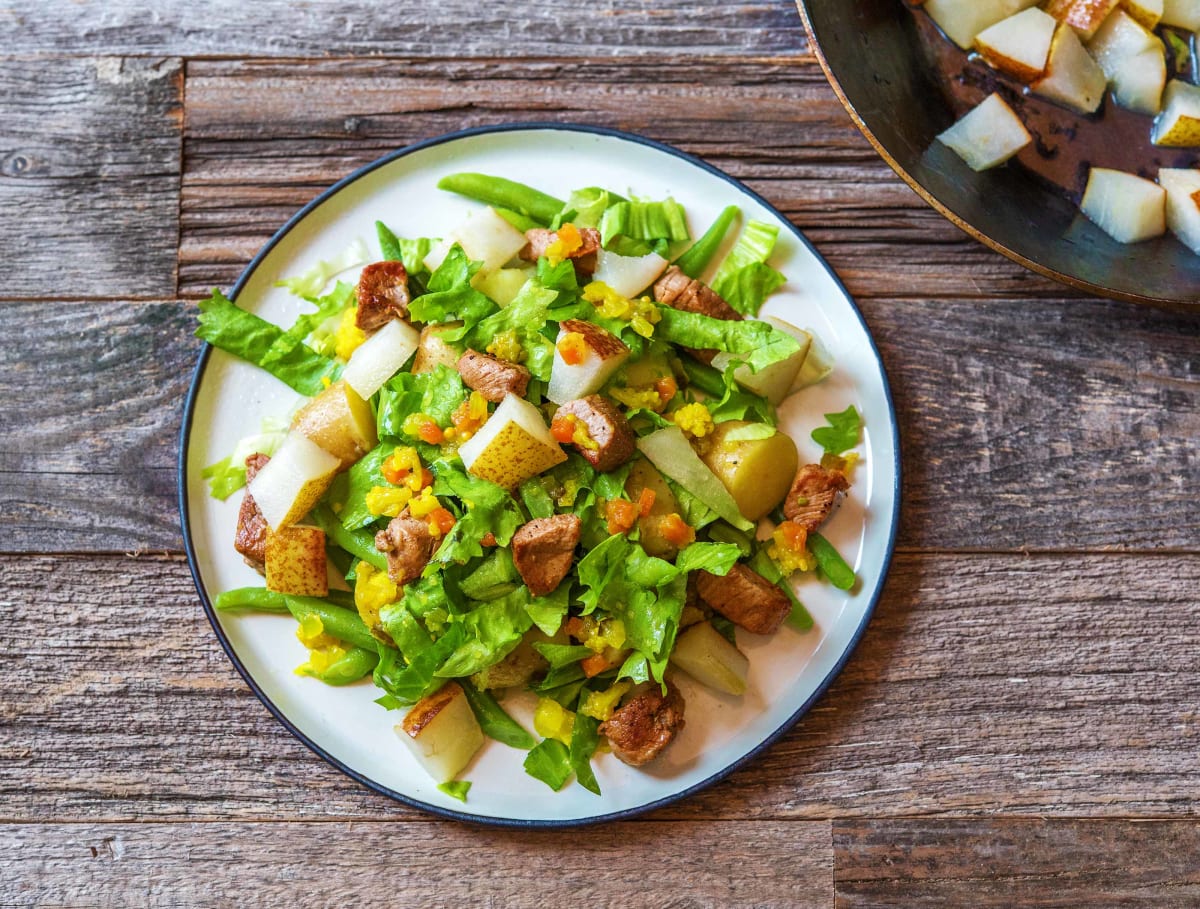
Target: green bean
[
  {"x": 700, "y": 253},
  {"x": 359, "y": 543},
  {"x": 494, "y": 721},
  {"x": 799, "y": 618},
  {"x": 704, "y": 378},
  {"x": 501, "y": 193},
  {"x": 356, "y": 664},
  {"x": 257, "y": 598},
  {"x": 832, "y": 565},
  {"x": 516, "y": 219},
  {"x": 337, "y": 622},
  {"x": 721, "y": 532}
]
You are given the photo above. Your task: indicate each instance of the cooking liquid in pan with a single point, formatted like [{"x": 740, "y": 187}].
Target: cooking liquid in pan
[{"x": 1066, "y": 144}]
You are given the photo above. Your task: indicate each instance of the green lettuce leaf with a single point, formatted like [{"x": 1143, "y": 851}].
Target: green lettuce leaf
[
  {"x": 228, "y": 475},
  {"x": 760, "y": 343},
  {"x": 487, "y": 508},
  {"x": 663, "y": 220},
  {"x": 313, "y": 281},
  {"x": 585, "y": 738},
  {"x": 365, "y": 474},
  {"x": 494, "y": 720},
  {"x": 411, "y": 252},
  {"x": 456, "y": 789},
  {"x": 491, "y": 631},
  {"x": 319, "y": 329},
  {"x": 842, "y": 432},
  {"x": 549, "y": 762},
  {"x": 245, "y": 335},
  {"x": 549, "y": 611},
  {"x": 450, "y": 295}
]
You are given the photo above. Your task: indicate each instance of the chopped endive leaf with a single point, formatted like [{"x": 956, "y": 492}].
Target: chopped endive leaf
[
  {"x": 456, "y": 789},
  {"x": 754, "y": 245},
  {"x": 494, "y": 720},
  {"x": 751, "y": 432},
  {"x": 410, "y": 252},
  {"x": 228, "y": 475},
  {"x": 313, "y": 281},
  {"x": 842, "y": 432},
  {"x": 663, "y": 220},
  {"x": 549, "y": 762},
  {"x": 744, "y": 280},
  {"x": 759, "y": 343}
]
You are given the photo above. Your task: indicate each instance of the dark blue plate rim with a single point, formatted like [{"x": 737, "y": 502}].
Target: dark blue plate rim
[{"x": 185, "y": 436}]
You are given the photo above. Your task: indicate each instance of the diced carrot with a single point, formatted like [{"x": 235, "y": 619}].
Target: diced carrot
[
  {"x": 430, "y": 432},
  {"x": 442, "y": 520},
  {"x": 573, "y": 348},
  {"x": 393, "y": 474},
  {"x": 562, "y": 427},
  {"x": 488, "y": 540},
  {"x": 675, "y": 530},
  {"x": 621, "y": 515},
  {"x": 645, "y": 501},
  {"x": 596, "y": 664},
  {"x": 576, "y": 628},
  {"x": 793, "y": 536}
]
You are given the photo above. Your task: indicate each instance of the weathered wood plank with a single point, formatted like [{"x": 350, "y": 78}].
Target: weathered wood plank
[
  {"x": 1002, "y": 863},
  {"x": 264, "y": 137},
  {"x": 998, "y": 684},
  {"x": 1063, "y": 426},
  {"x": 93, "y": 395},
  {"x": 89, "y": 176},
  {"x": 408, "y": 27},
  {"x": 427, "y": 864}
]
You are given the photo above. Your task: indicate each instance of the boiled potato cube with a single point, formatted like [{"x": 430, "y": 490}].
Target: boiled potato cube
[
  {"x": 433, "y": 350},
  {"x": 502, "y": 285},
  {"x": 987, "y": 136},
  {"x": 296, "y": 561},
  {"x": 1126, "y": 207},
  {"x": 758, "y": 471},
  {"x": 1183, "y": 204},
  {"x": 289, "y": 485},
  {"x": 704, "y": 654},
  {"x": 442, "y": 732},
  {"x": 512, "y": 446},
  {"x": 340, "y": 422}
]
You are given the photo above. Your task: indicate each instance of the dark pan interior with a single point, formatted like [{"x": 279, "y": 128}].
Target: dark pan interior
[{"x": 872, "y": 53}]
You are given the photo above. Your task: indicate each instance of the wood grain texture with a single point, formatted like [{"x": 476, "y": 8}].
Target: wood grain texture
[
  {"x": 1042, "y": 425},
  {"x": 264, "y": 137},
  {"x": 93, "y": 395},
  {"x": 452, "y": 27},
  {"x": 1003, "y": 863},
  {"x": 998, "y": 684},
  {"x": 441, "y": 865},
  {"x": 89, "y": 176}
]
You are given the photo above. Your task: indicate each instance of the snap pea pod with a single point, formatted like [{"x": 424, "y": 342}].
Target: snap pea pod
[
  {"x": 694, "y": 260},
  {"x": 704, "y": 378},
  {"x": 832, "y": 565},
  {"x": 262, "y": 600},
  {"x": 337, "y": 622},
  {"x": 799, "y": 618},
  {"x": 502, "y": 193},
  {"x": 358, "y": 663},
  {"x": 359, "y": 543},
  {"x": 494, "y": 720}
]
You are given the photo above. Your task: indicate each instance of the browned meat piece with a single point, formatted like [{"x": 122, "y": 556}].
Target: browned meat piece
[
  {"x": 677, "y": 290},
  {"x": 382, "y": 295},
  {"x": 746, "y": 598},
  {"x": 814, "y": 493},
  {"x": 250, "y": 538},
  {"x": 492, "y": 377},
  {"x": 608, "y": 428},
  {"x": 584, "y": 258},
  {"x": 640, "y": 730},
  {"x": 409, "y": 546},
  {"x": 544, "y": 549}
]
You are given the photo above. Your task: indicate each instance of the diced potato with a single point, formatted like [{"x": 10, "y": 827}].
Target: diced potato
[
  {"x": 1085, "y": 16},
  {"x": 296, "y": 561},
  {"x": 1183, "y": 204},
  {"x": 1019, "y": 46},
  {"x": 1126, "y": 207},
  {"x": 442, "y": 732},
  {"x": 433, "y": 350},
  {"x": 502, "y": 285},
  {"x": 512, "y": 446},
  {"x": 628, "y": 275},
  {"x": 757, "y": 472},
  {"x": 603, "y": 354},
  {"x": 706, "y": 656},
  {"x": 1178, "y": 125},
  {"x": 1072, "y": 77},
  {"x": 380, "y": 357},
  {"x": 1181, "y": 13},
  {"x": 643, "y": 475},
  {"x": 485, "y": 237},
  {"x": 669, "y": 450},
  {"x": 962, "y": 20},
  {"x": 773, "y": 382},
  {"x": 289, "y": 485},
  {"x": 340, "y": 422}
]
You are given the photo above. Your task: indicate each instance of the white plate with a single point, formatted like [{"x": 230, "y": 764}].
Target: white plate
[{"x": 788, "y": 671}]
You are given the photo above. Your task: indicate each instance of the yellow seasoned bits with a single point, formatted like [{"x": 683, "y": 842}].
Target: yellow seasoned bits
[
  {"x": 599, "y": 705},
  {"x": 789, "y": 549},
  {"x": 553, "y": 721},
  {"x": 323, "y": 651},
  {"x": 568, "y": 241},
  {"x": 639, "y": 398},
  {"x": 642, "y": 315},
  {"x": 373, "y": 590},
  {"x": 507, "y": 346},
  {"x": 424, "y": 504},
  {"x": 694, "y": 419},
  {"x": 349, "y": 336},
  {"x": 388, "y": 500}
]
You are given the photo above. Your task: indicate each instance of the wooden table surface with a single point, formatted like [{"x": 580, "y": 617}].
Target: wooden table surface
[{"x": 1018, "y": 727}]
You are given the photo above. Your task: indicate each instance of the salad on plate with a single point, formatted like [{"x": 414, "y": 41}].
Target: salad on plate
[{"x": 535, "y": 471}]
